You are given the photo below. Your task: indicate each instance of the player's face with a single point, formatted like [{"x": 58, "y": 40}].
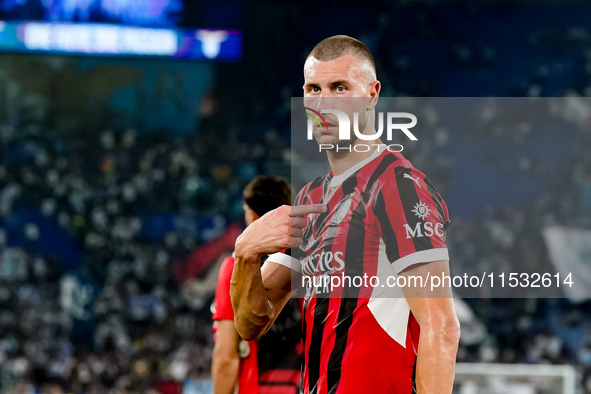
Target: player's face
[{"x": 332, "y": 85}]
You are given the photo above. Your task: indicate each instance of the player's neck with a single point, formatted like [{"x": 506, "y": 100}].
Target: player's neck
[{"x": 343, "y": 160}]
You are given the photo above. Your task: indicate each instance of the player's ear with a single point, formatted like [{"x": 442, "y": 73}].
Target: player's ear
[
  {"x": 249, "y": 214},
  {"x": 374, "y": 93}
]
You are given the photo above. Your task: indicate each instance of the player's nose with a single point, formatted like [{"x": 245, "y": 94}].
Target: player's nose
[
  {"x": 316, "y": 103},
  {"x": 323, "y": 101}
]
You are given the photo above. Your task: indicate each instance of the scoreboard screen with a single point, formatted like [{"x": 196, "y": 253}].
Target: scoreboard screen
[{"x": 161, "y": 28}]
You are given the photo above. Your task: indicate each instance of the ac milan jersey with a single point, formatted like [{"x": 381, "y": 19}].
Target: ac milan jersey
[{"x": 383, "y": 217}]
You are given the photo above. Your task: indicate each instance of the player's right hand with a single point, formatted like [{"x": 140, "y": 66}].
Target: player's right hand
[{"x": 277, "y": 230}]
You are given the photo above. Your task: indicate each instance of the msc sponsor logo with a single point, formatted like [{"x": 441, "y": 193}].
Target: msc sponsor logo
[
  {"x": 323, "y": 262},
  {"x": 426, "y": 229}
]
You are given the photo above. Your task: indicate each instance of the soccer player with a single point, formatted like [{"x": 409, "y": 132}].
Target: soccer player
[
  {"x": 235, "y": 361},
  {"x": 373, "y": 214}
]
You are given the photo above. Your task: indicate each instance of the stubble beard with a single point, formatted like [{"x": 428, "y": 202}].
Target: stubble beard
[{"x": 343, "y": 145}]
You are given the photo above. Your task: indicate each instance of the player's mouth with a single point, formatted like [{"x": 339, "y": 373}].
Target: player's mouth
[{"x": 330, "y": 127}]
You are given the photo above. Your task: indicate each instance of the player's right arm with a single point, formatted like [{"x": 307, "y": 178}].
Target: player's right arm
[{"x": 258, "y": 295}]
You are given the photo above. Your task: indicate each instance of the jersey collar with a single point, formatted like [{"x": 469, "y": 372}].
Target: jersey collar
[{"x": 336, "y": 180}]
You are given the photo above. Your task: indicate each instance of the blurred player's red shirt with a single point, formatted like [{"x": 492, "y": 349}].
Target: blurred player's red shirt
[
  {"x": 383, "y": 217},
  {"x": 248, "y": 375}
]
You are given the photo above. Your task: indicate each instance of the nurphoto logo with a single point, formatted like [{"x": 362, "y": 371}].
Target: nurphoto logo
[{"x": 344, "y": 125}]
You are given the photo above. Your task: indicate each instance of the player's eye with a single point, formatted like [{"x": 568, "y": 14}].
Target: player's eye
[
  {"x": 341, "y": 89},
  {"x": 314, "y": 89}
]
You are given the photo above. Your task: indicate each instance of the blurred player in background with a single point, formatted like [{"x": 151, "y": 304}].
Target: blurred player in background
[
  {"x": 239, "y": 363},
  {"x": 373, "y": 214}
]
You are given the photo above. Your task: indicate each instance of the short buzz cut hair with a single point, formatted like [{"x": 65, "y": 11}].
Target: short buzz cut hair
[
  {"x": 265, "y": 193},
  {"x": 332, "y": 48}
]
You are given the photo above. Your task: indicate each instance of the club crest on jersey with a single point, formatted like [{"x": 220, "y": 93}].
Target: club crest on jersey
[
  {"x": 421, "y": 210},
  {"x": 343, "y": 209}
]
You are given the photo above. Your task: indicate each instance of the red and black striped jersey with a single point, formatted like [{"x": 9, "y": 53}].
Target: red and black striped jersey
[{"x": 383, "y": 216}]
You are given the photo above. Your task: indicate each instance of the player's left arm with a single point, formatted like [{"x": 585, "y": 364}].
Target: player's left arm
[
  {"x": 439, "y": 337},
  {"x": 411, "y": 218}
]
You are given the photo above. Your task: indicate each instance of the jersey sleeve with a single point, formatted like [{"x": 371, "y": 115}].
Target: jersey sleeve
[
  {"x": 222, "y": 309},
  {"x": 286, "y": 260},
  {"x": 411, "y": 218}
]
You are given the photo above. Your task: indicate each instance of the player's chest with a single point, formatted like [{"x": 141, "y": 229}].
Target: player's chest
[{"x": 341, "y": 236}]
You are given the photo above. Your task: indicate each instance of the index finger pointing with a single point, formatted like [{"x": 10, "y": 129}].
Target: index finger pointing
[{"x": 301, "y": 210}]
